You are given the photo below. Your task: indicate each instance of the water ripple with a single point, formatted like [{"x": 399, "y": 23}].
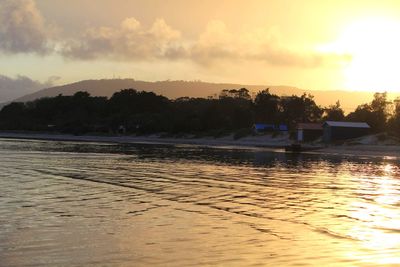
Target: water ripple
[{"x": 64, "y": 203}]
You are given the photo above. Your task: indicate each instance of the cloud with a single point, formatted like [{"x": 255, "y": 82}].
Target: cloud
[
  {"x": 129, "y": 41},
  {"x": 22, "y": 28},
  {"x": 214, "y": 44},
  {"x": 12, "y": 88},
  {"x": 217, "y": 44}
]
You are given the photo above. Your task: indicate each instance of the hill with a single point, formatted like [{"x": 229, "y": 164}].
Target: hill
[{"x": 175, "y": 89}]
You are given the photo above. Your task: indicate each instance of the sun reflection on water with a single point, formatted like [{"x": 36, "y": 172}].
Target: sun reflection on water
[{"x": 378, "y": 218}]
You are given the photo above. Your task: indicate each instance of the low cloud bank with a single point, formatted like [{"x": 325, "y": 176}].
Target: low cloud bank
[{"x": 12, "y": 88}]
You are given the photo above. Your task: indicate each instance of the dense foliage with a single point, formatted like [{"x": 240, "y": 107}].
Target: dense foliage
[{"x": 139, "y": 112}]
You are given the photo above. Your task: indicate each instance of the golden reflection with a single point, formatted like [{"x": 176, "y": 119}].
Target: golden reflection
[
  {"x": 387, "y": 192},
  {"x": 377, "y": 224}
]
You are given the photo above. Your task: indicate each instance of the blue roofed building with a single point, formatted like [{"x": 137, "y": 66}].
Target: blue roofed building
[{"x": 269, "y": 127}]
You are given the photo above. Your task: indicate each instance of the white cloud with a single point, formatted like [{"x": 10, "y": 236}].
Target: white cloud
[
  {"x": 22, "y": 28},
  {"x": 129, "y": 41}
]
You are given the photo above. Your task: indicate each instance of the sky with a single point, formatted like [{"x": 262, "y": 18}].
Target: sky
[{"x": 310, "y": 44}]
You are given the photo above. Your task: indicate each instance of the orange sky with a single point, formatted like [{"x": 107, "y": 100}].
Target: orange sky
[{"x": 311, "y": 44}]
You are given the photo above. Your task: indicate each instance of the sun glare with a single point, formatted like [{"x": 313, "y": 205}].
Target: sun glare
[{"x": 374, "y": 47}]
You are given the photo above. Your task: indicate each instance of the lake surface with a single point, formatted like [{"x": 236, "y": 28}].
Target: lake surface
[{"x": 88, "y": 204}]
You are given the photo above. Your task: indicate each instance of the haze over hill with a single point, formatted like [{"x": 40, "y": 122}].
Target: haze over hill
[{"x": 175, "y": 89}]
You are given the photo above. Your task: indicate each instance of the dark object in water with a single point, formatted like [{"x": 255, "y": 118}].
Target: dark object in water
[
  {"x": 299, "y": 148},
  {"x": 293, "y": 148}
]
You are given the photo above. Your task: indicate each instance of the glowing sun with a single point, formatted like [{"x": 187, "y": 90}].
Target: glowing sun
[{"x": 374, "y": 45}]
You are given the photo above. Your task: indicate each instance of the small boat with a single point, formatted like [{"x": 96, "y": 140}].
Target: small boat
[{"x": 293, "y": 148}]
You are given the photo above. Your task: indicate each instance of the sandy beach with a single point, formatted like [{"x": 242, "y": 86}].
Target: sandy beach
[
  {"x": 366, "y": 147},
  {"x": 253, "y": 141}
]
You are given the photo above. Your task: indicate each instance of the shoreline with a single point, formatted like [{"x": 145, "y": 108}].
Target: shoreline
[
  {"x": 252, "y": 142},
  {"x": 264, "y": 142}
]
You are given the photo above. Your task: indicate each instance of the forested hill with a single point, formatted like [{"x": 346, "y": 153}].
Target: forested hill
[
  {"x": 140, "y": 112},
  {"x": 176, "y": 89}
]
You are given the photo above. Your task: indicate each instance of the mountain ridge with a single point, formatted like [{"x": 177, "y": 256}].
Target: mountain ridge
[{"x": 178, "y": 88}]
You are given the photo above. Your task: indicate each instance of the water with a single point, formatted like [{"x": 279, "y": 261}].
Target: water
[{"x": 80, "y": 204}]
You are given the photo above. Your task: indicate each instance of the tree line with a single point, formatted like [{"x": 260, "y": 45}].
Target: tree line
[{"x": 140, "y": 112}]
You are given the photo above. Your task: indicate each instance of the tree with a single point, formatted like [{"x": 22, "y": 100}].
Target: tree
[
  {"x": 376, "y": 114},
  {"x": 295, "y": 109},
  {"x": 146, "y": 112},
  {"x": 13, "y": 116},
  {"x": 241, "y": 93},
  {"x": 394, "y": 122},
  {"x": 266, "y": 107},
  {"x": 334, "y": 113},
  {"x": 381, "y": 106},
  {"x": 137, "y": 110}
]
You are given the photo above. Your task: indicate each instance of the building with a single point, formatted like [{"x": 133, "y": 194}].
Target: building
[
  {"x": 282, "y": 128},
  {"x": 263, "y": 128},
  {"x": 340, "y": 130},
  {"x": 307, "y": 132}
]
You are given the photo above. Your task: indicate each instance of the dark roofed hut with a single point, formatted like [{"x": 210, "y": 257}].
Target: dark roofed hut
[
  {"x": 340, "y": 130},
  {"x": 307, "y": 132}
]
